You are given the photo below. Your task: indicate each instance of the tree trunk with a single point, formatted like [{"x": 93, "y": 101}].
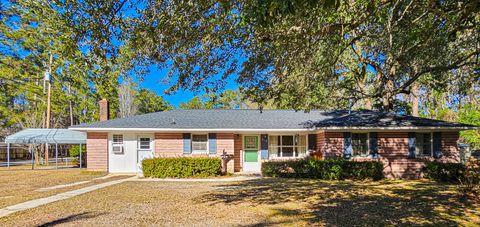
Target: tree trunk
[
  {"x": 368, "y": 103},
  {"x": 70, "y": 105},
  {"x": 388, "y": 96},
  {"x": 414, "y": 99}
]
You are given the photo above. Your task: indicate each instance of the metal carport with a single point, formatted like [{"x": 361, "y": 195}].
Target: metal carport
[{"x": 46, "y": 136}]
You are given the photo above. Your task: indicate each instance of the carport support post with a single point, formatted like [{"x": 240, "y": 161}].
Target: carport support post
[
  {"x": 80, "y": 156},
  {"x": 56, "y": 155},
  {"x": 31, "y": 152},
  {"x": 8, "y": 155}
]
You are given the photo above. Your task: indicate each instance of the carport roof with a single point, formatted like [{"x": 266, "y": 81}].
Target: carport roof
[{"x": 52, "y": 136}]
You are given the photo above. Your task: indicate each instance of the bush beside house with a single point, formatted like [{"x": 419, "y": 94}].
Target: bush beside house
[
  {"x": 74, "y": 152},
  {"x": 333, "y": 169},
  {"x": 444, "y": 172},
  {"x": 182, "y": 167},
  {"x": 467, "y": 175}
]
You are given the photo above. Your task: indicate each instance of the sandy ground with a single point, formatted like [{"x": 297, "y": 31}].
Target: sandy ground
[{"x": 259, "y": 202}]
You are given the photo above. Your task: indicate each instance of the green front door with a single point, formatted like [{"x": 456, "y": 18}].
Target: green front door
[
  {"x": 250, "y": 150},
  {"x": 251, "y": 156}
]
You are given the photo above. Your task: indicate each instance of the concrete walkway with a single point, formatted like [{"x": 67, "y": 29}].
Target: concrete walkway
[
  {"x": 73, "y": 184},
  {"x": 66, "y": 195}
]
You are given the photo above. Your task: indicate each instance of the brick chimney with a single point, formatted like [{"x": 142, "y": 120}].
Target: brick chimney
[{"x": 104, "y": 110}]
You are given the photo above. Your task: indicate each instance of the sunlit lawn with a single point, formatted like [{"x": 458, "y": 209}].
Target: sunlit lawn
[
  {"x": 260, "y": 202},
  {"x": 19, "y": 184}
]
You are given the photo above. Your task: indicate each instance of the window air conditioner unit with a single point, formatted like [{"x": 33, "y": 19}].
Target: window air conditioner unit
[{"x": 118, "y": 149}]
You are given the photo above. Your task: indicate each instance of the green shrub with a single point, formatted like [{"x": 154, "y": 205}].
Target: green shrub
[
  {"x": 75, "y": 150},
  {"x": 332, "y": 169},
  {"x": 181, "y": 167},
  {"x": 470, "y": 180},
  {"x": 444, "y": 172}
]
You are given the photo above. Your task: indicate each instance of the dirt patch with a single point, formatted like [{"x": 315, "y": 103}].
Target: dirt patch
[{"x": 20, "y": 185}]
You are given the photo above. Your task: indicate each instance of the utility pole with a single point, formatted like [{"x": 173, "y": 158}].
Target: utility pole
[
  {"x": 49, "y": 94},
  {"x": 70, "y": 105}
]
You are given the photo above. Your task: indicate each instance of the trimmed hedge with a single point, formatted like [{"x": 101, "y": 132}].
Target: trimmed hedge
[
  {"x": 181, "y": 167},
  {"x": 331, "y": 169},
  {"x": 444, "y": 172}
]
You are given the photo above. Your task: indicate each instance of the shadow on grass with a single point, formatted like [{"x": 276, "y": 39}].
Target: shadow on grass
[
  {"x": 347, "y": 203},
  {"x": 70, "y": 218}
]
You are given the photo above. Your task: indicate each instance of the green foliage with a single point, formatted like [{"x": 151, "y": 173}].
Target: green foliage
[
  {"x": 229, "y": 99},
  {"x": 470, "y": 180},
  {"x": 468, "y": 175},
  {"x": 181, "y": 167},
  {"x": 444, "y": 172},
  {"x": 332, "y": 169},
  {"x": 313, "y": 54},
  {"x": 149, "y": 102},
  {"x": 470, "y": 115},
  {"x": 83, "y": 68},
  {"x": 75, "y": 151}
]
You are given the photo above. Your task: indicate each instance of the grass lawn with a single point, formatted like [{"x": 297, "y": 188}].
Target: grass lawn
[
  {"x": 260, "y": 202},
  {"x": 19, "y": 183}
]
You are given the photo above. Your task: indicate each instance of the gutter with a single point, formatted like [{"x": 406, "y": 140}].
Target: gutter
[{"x": 246, "y": 130}]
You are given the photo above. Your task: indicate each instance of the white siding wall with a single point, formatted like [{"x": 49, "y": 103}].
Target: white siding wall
[{"x": 126, "y": 162}]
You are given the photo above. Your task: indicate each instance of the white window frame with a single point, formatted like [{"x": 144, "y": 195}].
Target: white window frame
[
  {"x": 207, "y": 151},
  {"x": 139, "y": 146},
  {"x": 121, "y": 144},
  {"x": 419, "y": 153},
  {"x": 368, "y": 144},
  {"x": 294, "y": 146}
]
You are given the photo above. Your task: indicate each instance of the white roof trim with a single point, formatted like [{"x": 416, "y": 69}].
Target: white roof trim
[
  {"x": 265, "y": 130},
  {"x": 402, "y": 128},
  {"x": 187, "y": 130}
]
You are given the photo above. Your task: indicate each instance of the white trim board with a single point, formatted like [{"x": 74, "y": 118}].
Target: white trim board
[{"x": 247, "y": 130}]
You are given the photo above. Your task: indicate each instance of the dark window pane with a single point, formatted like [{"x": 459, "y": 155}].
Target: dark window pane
[
  {"x": 360, "y": 144},
  {"x": 287, "y": 151},
  {"x": 427, "y": 145},
  {"x": 287, "y": 140}
]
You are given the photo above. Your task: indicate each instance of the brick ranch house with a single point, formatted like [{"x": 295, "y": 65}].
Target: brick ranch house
[{"x": 402, "y": 143}]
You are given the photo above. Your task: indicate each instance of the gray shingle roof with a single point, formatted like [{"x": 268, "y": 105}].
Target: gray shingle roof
[{"x": 267, "y": 119}]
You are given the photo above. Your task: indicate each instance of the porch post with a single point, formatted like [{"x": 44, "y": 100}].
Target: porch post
[
  {"x": 80, "y": 156},
  {"x": 8, "y": 155},
  {"x": 56, "y": 155}
]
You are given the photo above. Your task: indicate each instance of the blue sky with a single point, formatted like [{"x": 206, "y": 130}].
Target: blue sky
[{"x": 153, "y": 82}]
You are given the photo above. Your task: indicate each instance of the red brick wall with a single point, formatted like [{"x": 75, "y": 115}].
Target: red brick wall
[
  {"x": 318, "y": 154},
  {"x": 225, "y": 141},
  {"x": 393, "y": 152},
  {"x": 237, "y": 155},
  {"x": 97, "y": 151},
  {"x": 171, "y": 145},
  {"x": 168, "y": 144},
  {"x": 333, "y": 145},
  {"x": 449, "y": 147}
]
